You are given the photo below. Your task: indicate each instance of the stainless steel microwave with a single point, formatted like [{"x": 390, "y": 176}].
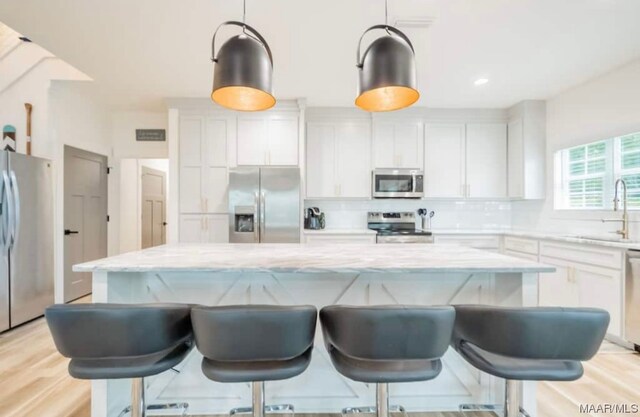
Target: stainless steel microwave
[{"x": 397, "y": 183}]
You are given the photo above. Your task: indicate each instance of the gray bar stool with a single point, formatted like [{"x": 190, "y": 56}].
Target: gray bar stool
[
  {"x": 527, "y": 344},
  {"x": 386, "y": 344},
  {"x": 254, "y": 343},
  {"x": 113, "y": 341}
]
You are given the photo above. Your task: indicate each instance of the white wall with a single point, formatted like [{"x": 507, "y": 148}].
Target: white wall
[
  {"x": 604, "y": 107},
  {"x": 130, "y": 200},
  {"x": 78, "y": 118}
]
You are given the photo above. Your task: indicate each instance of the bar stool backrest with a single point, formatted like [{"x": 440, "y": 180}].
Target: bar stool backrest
[
  {"x": 95, "y": 331},
  {"x": 532, "y": 333},
  {"x": 392, "y": 332},
  {"x": 254, "y": 332}
]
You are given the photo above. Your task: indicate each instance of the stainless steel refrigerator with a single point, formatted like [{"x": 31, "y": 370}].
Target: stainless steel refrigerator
[
  {"x": 26, "y": 238},
  {"x": 264, "y": 205}
]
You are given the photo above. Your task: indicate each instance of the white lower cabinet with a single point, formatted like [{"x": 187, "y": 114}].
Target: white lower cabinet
[
  {"x": 198, "y": 228},
  {"x": 486, "y": 242},
  {"x": 583, "y": 285}
]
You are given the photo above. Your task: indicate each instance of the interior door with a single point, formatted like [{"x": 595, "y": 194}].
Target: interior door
[
  {"x": 31, "y": 247},
  {"x": 85, "y": 216},
  {"x": 154, "y": 202}
]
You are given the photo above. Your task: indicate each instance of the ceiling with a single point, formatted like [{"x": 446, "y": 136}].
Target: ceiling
[{"x": 142, "y": 51}]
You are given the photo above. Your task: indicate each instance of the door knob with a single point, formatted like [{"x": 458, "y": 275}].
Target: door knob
[
  {"x": 70, "y": 232},
  {"x": 164, "y": 223}
]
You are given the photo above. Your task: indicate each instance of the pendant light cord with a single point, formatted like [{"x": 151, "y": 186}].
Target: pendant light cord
[
  {"x": 386, "y": 17},
  {"x": 244, "y": 16},
  {"x": 386, "y": 12}
]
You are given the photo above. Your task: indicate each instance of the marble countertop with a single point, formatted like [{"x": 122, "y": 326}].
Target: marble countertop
[{"x": 301, "y": 258}]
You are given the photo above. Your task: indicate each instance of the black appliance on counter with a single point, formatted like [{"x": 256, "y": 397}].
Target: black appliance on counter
[{"x": 313, "y": 219}]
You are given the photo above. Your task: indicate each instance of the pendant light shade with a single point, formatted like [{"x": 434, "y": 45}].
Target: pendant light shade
[
  {"x": 243, "y": 69},
  {"x": 387, "y": 72}
]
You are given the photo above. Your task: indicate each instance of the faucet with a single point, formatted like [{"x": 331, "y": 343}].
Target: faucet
[{"x": 624, "y": 232}]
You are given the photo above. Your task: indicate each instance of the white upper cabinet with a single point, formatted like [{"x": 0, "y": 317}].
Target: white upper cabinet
[
  {"x": 353, "y": 159},
  {"x": 267, "y": 140},
  {"x": 338, "y": 160},
  {"x": 526, "y": 143},
  {"x": 252, "y": 141},
  {"x": 444, "y": 172},
  {"x": 398, "y": 145},
  {"x": 203, "y": 163},
  {"x": 486, "y": 156}
]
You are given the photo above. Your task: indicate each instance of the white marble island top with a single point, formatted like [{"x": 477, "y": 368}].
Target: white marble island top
[{"x": 301, "y": 258}]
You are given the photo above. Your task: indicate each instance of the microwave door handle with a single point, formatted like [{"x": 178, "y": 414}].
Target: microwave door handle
[{"x": 414, "y": 183}]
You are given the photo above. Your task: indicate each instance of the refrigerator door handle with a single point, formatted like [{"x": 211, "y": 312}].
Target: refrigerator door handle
[
  {"x": 262, "y": 215},
  {"x": 5, "y": 220},
  {"x": 10, "y": 211},
  {"x": 16, "y": 199},
  {"x": 256, "y": 217}
]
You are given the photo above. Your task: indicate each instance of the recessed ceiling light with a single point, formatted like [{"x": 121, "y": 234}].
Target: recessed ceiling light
[{"x": 481, "y": 81}]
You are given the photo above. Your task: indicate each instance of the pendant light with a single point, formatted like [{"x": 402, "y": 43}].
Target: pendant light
[
  {"x": 243, "y": 70},
  {"x": 386, "y": 71}
]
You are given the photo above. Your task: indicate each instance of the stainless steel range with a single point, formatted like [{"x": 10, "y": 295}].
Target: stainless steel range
[{"x": 397, "y": 227}]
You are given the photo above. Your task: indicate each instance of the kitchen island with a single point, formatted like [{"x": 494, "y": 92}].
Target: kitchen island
[{"x": 320, "y": 275}]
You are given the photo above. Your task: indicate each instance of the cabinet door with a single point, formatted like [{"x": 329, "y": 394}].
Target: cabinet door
[
  {"x": 190, "y": 148},
  {"x": 409, "y": 145},
  {"x": 283, "y": 141},
  {"x": 444, "y": 161},
  {"x": 383, "y": 145},
  {"x": 192, "y": 228},
  {"x": 353, "y": 159},
  {"x": 215, "y": 142},
  {"x": 252, "y": 141},
  {"x": 601, "y": 288},
  {"x": 215, "y": 186},
  {"x": 558, "y": 289},
  {"x": 398, "y": 145},
  {"x": 321, "y": 172},
  {"x": 217, "y": 229},
  {"x": 515, "y": 160},
  {"x": 486, "y": 160}
]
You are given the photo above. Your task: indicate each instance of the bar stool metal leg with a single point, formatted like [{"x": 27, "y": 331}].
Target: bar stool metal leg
[
  {"x": 512, "y": 398},
  {"x": 382, "y": 408},
  {"x": 382, "y": 400},
  {"x": 138, "y": 407},
  {"x": 259, "y": 408}
]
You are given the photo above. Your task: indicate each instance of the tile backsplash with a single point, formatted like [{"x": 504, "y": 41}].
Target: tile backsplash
[{"x": 352, "y": 214}]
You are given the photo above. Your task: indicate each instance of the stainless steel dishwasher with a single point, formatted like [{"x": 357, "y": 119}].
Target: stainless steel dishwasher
[{"x": 632, "y": 298}]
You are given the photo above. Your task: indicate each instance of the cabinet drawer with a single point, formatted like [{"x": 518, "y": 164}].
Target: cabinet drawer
[
  {"x": 323, "y": 239},
  {"x": 472, "y": 241},
  {"x": 519, "y": 244},
  {"x": 606, "y": 258}
]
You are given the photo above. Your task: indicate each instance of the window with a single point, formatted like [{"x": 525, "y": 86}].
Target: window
[{"x": 587, "y": 173}]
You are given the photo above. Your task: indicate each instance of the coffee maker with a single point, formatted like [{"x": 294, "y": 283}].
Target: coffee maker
[{"x": 313, "y": 218}]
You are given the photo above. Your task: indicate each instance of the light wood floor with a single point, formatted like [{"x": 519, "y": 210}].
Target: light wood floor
[{"x": 34, "y": 381}]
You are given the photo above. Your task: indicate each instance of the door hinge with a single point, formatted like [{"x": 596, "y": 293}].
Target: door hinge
[
  {"x": 108, "y": 170},
  {"x": 108, "y": 217}
]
